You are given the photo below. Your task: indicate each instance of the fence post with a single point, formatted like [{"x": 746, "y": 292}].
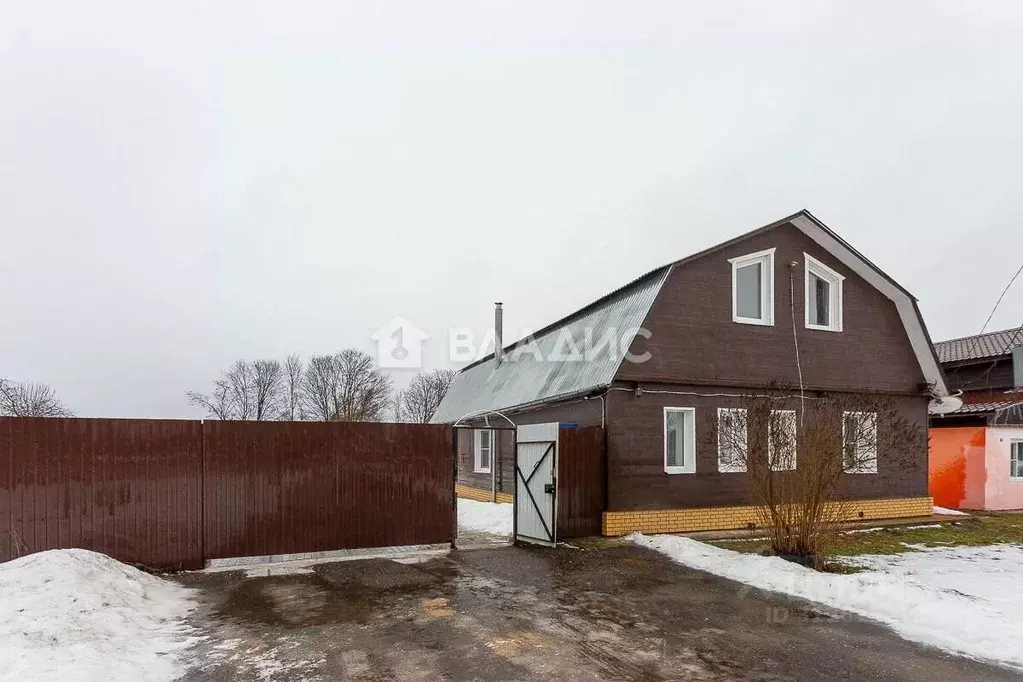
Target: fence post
[
  {"x": 202, "y": 492},
  {"x": 454, "y": 482}
]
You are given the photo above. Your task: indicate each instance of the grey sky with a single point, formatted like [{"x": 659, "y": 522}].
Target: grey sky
[{"x": 184, "y": 184}]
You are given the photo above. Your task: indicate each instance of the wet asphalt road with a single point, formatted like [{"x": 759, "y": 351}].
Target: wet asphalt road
[{"x": 605, "y": 612}]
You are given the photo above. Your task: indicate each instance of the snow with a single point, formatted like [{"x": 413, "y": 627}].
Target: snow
[
  {"x": 73, "y": 615},
  {"x": 962, "y": 600},
  {"x": 949, "y": 512},
  {"x": 485, "y": 516}
]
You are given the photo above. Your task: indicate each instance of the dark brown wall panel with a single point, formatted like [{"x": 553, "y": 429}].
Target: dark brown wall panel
[
  {"x": 636, "y": 477},
  {"x": 582, "y": 477},
  {"x": 694, "y": 341},
  {"x": 290, "y": 487},
  {"x": 580, "y": 412},
  {"x": 503, "y": 469},
  {"x": 127, "y": 488}
]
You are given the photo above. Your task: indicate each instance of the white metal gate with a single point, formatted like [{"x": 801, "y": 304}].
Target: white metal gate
[{"x": 536, "y": 500}]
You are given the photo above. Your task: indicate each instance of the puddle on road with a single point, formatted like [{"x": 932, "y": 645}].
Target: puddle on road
[
  {"x": 342, "y": 592},
  {"x": 294, "y": 601}
]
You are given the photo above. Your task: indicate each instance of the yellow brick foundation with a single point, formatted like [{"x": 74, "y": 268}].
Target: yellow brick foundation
[
  {"x": 730, "y": 518},
  {"x": 480, "y": 494}
]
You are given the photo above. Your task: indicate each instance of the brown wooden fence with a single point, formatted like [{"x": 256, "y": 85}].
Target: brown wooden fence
[
  {"x": 174, "y": 493},
  {"x": 582, "y": 481},
  {"x": 282, "y": 488}
]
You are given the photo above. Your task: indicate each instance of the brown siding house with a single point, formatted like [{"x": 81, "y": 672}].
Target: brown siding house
[{"x": 788, "y": 304}]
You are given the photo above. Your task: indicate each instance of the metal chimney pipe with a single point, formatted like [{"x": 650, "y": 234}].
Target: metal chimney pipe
[{"x": 498, "y": 333}]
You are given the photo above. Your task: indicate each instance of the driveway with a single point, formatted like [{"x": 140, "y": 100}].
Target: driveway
[{"x": 605, "y": 611}]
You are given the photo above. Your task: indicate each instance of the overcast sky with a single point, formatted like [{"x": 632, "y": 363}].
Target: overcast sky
[{"x": 185, "y": 184}]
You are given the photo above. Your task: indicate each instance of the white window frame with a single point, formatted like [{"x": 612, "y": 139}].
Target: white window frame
[
  {"x": 725, "y": 467},
  {"x": 766, "y": 259},
  {"x": 1016, "y": 453},
  {"x": 862, "y": 469},
  {"x": 478, "y": 450},
  {"x": 812, "y": 266},
  {"x": 790, "y": 415},
  {"x": 689, "y": 441}
]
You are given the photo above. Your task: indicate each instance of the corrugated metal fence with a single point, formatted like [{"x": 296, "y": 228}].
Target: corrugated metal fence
[
  {"x": 171, "y": 494},
  {"x": 582, "y": 481}
]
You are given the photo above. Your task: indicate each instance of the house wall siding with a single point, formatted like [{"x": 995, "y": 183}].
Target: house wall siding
[
  {"x": 580, "y": 412},
  {"x": 636, "y": 478},
  {"x": 956, "y": 466},
  {"x": 694, "y": 340},
  {"x": 1000, "y": 491},
  {"x": 986, "y": 375}
]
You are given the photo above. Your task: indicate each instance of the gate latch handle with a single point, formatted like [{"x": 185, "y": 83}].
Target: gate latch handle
[{"x": 549, "y": 488}]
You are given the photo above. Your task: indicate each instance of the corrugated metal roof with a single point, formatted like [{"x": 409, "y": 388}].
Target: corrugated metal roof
[
  {"x": 980, "y": 408},
  {"x": 532, "y": 371},
  {"x": 989, "y": 345}
]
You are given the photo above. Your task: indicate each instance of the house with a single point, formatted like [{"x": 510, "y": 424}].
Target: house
[
  {"x": 976, "y": 458},
  {"x": 653, "y": 362}
]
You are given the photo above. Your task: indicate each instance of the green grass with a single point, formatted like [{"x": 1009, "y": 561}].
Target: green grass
[{"x": 979, "y": 529}]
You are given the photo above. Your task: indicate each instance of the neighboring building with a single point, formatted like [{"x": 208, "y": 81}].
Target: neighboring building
[
  {"x": 976, "y": 453},
  {"x": 715, "y": 325}
]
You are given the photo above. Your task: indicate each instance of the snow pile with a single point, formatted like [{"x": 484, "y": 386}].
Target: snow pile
[
  {"x": 949, "y": 512},
  {"x": 485, "y": 517},
  {"x": 72, "y": 614},
  {"x": 963, "y": 600}
]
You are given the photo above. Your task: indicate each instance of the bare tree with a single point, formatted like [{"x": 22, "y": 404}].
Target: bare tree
[
  {"x": 319, "y": 387},
  {"x": 267, "y": 389},
  {"x": 796, "y": 456},
  {"x": 345, "y": 387},
  {"x": 420, "y": 400},
  {"x": 239, "y": 378},
  {"x": 30, "y": 400},
  {"x": 218, "y": 403},
  {"x": 293, "y": 370},
  {"x": 245, "y": 390}
]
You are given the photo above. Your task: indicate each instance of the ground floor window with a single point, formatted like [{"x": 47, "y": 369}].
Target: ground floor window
[
  {"x": 859, "y": 442},
  {"x": 732, "y": 443},
  {"x": 484, "y": 450},
  {"x": 680, "y": 440},
  {"x": 781, "y": 446},
  {"x": 1016, "y": 459}
]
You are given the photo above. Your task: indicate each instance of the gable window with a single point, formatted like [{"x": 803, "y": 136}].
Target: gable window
[
  {"x": 753, "y": 288},
  {"x": 823, "y": 296},
  {"x": 781, "y": 443},
  {"x": 1016, "y": 459},
  {"x": 484, "y": 450},
  {"x": 859, "y": 442},
  {"x": 731, "y": 440},
  {"x": 679, "y": 440}
]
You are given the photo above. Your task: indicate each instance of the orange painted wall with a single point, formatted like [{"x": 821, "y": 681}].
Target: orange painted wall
[{"x": 956, "y": 467}]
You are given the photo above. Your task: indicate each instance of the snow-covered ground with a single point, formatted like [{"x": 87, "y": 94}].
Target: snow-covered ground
[
  {"x": 485, "y": 517},
  {"x": 72, "y": 615},
  {"x": 949, "y": 512},
  {"x": 965, "y": 600}
]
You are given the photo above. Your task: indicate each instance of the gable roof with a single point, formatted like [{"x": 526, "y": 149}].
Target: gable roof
[
  {"x": 979, "y": 346},
  {"x": 516, "y": 383}
]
